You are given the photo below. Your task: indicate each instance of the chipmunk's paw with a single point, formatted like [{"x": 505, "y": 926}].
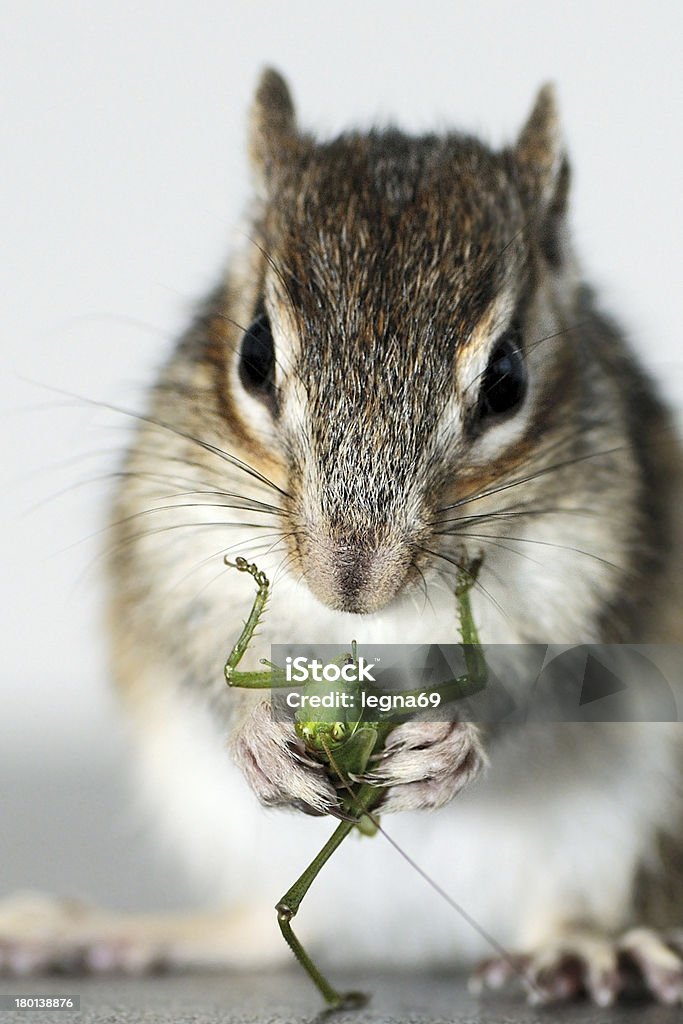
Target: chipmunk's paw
[
  {"x": 424, "y": 764},
  {"x": 277, "y": 766},
  {"x": 640, "y": 962},
  {"x": 657, "y": 961},
  {"x": 40, "y": 933}
]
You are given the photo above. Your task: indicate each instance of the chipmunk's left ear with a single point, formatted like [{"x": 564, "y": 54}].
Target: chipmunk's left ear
[{"x": 543, "y": 170}]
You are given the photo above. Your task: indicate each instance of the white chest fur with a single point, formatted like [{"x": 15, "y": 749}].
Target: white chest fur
[{"x": 554, "y": 831}]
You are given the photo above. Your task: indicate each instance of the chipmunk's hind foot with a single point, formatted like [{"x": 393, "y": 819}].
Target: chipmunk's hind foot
[
  {"x": 641, "y": 962},
  {"x": 50, "y": 934}
]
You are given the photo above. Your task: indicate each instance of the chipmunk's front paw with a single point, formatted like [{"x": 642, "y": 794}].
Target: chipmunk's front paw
[
  {"x": 641, "y": 962},
  {"x": 277, "y": 766},
  {"x": 425, "y": 764}
]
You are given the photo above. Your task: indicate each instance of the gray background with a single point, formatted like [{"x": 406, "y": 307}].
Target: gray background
[{"x": 122, "y": 179}]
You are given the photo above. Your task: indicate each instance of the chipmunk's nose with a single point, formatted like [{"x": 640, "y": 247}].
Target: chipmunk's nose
[{"x": 358, "y": 577}]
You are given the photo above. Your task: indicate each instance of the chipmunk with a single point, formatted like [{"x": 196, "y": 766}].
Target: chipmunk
[{"x": 401, "y": 369}]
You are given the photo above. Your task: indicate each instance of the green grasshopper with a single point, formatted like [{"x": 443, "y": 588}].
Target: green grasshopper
[{"x": 345, "y": 748}]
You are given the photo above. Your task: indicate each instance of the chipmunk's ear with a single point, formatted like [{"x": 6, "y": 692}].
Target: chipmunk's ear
[
  {"x": 272, "y": 126},
  {"x": 543, "y": 170}
]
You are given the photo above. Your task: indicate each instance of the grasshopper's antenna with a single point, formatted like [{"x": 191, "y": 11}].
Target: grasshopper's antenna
[{"x": 504, "y": 953}]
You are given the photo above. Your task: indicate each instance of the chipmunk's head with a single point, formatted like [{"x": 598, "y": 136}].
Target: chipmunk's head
[{"x": 398, "y": 290}]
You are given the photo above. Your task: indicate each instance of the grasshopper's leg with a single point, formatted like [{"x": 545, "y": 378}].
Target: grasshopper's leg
[
  {"x": 268, "y": 751},
  {"x": 275, "y": 676},
  {"x": 252, "y": 680},
  {"x": 476, "y": 675},
  {"x": 426, "y": 762},
  {"x": 287, "y": 908},
  {"x": 475, "y": 659}
]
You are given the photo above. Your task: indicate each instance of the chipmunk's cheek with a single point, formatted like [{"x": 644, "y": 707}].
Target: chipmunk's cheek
[{"x": 353, "y": 577}]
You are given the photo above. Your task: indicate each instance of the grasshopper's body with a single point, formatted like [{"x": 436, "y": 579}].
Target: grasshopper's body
[{"x": 345, "y": 747}]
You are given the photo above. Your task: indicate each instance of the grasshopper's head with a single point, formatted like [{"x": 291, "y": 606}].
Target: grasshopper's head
[
  {"x": 321, "y": 736},
  {"x": 397, "y": 290}
]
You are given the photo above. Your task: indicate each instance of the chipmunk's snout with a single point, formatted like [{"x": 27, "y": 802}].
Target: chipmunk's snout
[{"x": 355, "y": 575}]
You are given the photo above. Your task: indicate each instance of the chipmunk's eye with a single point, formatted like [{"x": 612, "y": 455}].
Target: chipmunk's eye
[
  {"x": 504, "y": 382},
  {"x": 257, "y": 357}
]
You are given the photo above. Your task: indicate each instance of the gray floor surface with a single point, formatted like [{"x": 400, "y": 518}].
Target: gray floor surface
[
  {"x": 65, "y": 827},
  {"x": 288, "y": 999}
]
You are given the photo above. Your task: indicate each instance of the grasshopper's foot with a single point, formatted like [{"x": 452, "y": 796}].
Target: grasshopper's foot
[
  {"x": 641, "y": 962},
  {"x": 350, "y": 1001},
  {"x": 277, "y": 767},
  {"x": 244, "y": 565},
  {"x": 424, "y": 764}
]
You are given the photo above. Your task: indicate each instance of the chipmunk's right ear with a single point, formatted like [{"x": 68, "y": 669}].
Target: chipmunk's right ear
[{"x": 272, "y": 127}]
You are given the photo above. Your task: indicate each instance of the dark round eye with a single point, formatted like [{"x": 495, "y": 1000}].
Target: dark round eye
[
  {"x": 504, "y": 382},
  {"x": 257, "y": 357}
]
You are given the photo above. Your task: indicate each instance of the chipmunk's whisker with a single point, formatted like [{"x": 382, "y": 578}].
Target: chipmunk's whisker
[
  {"x": 424, "y": 589},
  {"x": 547, "y": 544},
  {"x": 497, "y": 542},
  {"x": 513, "y": 512},
  {"x": 213, "y": 486},
  {"x": 189, "y": 504},
  {"x": 461, "y": 568},
  {"x": 120, "y": 545},
  {"x": 288, "y": 560},
  {"x": 544, "y": 452},
  {"x": 153, "y": 421},
  {"x": 169, "y": 508},
  {"x": 132, "y": 538},
  {"x": 196, "y": 525},
  {"x": 531, "y": 476},
  {"x": 174, "y": 479},
  {"x": 254, "y": 504},
  {"x": 207, "y": 477}
]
